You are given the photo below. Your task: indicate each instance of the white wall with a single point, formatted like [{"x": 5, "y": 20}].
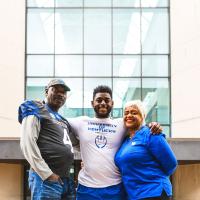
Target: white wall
[
  {"x": 185, "y": 68},
  {"x": 12, "y": 56}
]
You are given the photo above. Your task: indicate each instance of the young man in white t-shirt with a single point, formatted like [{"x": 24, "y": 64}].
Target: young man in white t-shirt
[{"x": 100, "y": 137}]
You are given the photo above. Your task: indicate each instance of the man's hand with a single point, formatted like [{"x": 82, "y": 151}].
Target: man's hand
[
  {"x": 155, "y": 128},
  {"x": 55, "y": 178}
]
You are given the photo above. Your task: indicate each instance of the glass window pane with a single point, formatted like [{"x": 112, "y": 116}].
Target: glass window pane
[
  {"x": 154, "y": 3},
  {"x": 74, "y": 103},
  {"x": 40, "y": 65},
  {"x": 68, "y": 31},
  {"x": 125, "y": 89},
  {"x": 89, "y": 85},
  {"x": 97, "y": 35},
  {"x": 155, "y": 65},
  {"x": 117, "y": 112},
  {"x": 126, "y": 31},
  {"x": 155, "y": 94},
  {"x": 68, "y": 65},
  {"x": 155, "y": 31},
  {"x": 97, "y": 65},
  {"x": 126, "y": 3},
  {"x": 35, "y": 88},
  {"x": 40, "y": 31},
  {"x": 73, "y": 107},
  {"x": 97, "y": 3},
  {"x": 69, "y": 3},
  {"x": 40, "y": 3},
  {"x": 166, "y": 131},
  {"x": 124, "y": 66}
]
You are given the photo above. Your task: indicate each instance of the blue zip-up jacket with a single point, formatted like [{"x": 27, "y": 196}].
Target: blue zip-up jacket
[{"x": 146, "y": 161}]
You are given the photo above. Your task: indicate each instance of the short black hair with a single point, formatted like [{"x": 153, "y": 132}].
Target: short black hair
[{"x": 102, "y": 89}]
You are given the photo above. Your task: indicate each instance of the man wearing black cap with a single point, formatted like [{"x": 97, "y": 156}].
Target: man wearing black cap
[{"x": 46, "y": 142}]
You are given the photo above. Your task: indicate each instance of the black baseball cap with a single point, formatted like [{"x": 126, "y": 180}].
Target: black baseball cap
[{"x": 57, "y": 82}]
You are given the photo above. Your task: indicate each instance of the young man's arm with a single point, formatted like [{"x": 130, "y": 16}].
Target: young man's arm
[
  {"x": 75, "y": 124},
  {"x": 155, "y": 127}
]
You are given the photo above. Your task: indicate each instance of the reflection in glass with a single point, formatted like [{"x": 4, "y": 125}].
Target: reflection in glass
[
  {"x": 126, "y": 31},
  {"x": 155, "y": 33},
  {"x": 97, "y": 31},
  {"x": 154, "y": 3},
  {"x": 40, "y": 31},
  {"x": 68, "y": 31},
  {"x": 125, "y": 89},
  {"x": 40, "y": 65},
  {"x": 97, "y": 65},
  {"x": 126, "y": 65},
  {"x": 74, "y": 103},
  {"x": 155, "y": 93},
  {"x": 68, "y": 65},
  {"x": 73, "y": 107},
  {"x": 97, "y": 3},
  {"x": 166, "y": 131},
  {"x": 35, "y": 88},
  {"x": 89, "y": 112},
  {"x": 40, "y": 3},
  {"x": 69, "y": 3},
  {"x": 117, "y": 112},
  {"x": 126, "y": 3},
  {"x": 154, "y": 65}
]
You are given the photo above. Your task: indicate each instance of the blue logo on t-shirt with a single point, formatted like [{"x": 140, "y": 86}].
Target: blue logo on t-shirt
[{"x": 100, "y": 141}]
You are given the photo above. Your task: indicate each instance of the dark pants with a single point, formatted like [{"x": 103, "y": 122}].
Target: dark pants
[{"x": 50, "y": 190}]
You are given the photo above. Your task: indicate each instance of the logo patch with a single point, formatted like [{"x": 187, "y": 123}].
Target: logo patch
[{"x": 100, "y": 141}]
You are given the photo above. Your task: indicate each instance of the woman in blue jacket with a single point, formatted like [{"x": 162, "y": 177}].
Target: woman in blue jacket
[{"x": 145, "y": 161}]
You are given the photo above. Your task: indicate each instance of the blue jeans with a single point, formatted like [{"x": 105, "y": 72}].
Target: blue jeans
[
  {"x": 114, "y": 192},
  {"x": 43, "y": 190}
]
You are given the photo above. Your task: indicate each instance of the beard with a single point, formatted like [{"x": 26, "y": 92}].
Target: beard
[{"x": 102, "y": 115}]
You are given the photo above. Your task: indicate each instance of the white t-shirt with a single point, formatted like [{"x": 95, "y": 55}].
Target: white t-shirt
[{"x": 99, "y": 141}]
